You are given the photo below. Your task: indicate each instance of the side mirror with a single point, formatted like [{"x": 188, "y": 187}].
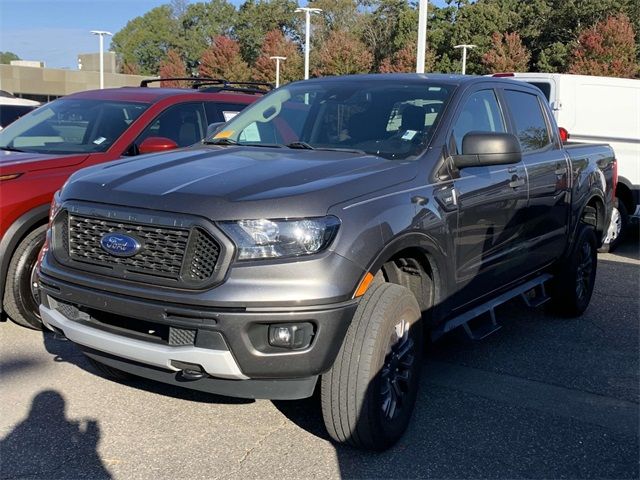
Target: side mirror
[
  {"x": 214, "y": 128},
  {"x": 488, "y": 148},
  {"x": 156, "y": 144}
]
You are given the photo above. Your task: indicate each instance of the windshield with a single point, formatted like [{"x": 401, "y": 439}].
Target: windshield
[
  {"x": 389, "y": 118},
  {"x": 71, "y": 126}
]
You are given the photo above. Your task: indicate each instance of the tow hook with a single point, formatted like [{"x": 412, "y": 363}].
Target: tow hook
[{"x": 188, "y": 371}]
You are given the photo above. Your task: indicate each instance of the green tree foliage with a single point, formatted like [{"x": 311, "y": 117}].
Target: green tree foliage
[
  {"x": 222, "y": 60},
  {"x": 276, "y": 44},
  {"x": 146, "y": 40},
  {"x": 200, "y": 22},
  {"x": 383, "y": 31},
  {"x": 257, "y": 17},
  {"x": 606, "y": 49},
  {"x": 6, "y": 57},
  {"x": 507, "y": 54}
]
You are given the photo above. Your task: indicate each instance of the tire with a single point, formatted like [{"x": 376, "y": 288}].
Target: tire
[
  {"x": 20, "y": 303},
  {"x": 617, "y": 228},
  {"x": 360, "y": 405},
  {"x": 572, "y": 287},
  {"x": 107, "y": 371}
]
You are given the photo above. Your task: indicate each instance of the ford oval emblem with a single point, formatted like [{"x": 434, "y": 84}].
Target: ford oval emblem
[{"x": 120, "y": 244}]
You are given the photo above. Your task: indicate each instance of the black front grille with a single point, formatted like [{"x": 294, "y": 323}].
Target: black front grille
[{"x": 181, "y": 255}]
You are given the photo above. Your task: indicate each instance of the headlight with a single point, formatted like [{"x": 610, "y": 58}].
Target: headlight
[
  {"x": 55, "y": 206},
  {"x": 281, "y": 238}
]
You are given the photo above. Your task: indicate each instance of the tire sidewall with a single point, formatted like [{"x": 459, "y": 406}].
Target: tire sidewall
[
  {"x": 587, "y": 234},
  {"x": 20, "y": 268},
  {"x": 406, "y": 308}
]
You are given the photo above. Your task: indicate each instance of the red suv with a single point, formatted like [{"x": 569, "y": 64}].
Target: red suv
[{"x": 43, "y": 148}]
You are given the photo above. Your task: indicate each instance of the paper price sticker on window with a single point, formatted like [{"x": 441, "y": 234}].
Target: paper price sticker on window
[
  {"x": 229, "y": 115},
  {"x": 409, "y": 134}
]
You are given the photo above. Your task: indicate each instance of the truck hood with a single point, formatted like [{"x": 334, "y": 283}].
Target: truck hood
[
  {"x": 20, "y": 162},
  {"x": 224, "y": 183}
]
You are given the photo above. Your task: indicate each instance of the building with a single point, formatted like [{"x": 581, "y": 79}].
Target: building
[{"x": 27, "y": 79}]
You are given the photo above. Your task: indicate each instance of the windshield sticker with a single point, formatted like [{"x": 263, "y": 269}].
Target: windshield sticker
[
  {"x": 409, "y": 134},
  {"x": 229, "y": 115},
  {"x": 224, "y": 134},
  {"x": 99, "y": 140}
]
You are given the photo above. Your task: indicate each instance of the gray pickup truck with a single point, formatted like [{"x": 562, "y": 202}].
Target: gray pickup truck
[{"x": 321, "y": 236}]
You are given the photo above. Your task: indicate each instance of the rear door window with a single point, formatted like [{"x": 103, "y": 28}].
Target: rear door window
[
  {"x": 222, "y": 112},
  {"x": 184, "y": 123},
  {"x": 531, "y": 127}
]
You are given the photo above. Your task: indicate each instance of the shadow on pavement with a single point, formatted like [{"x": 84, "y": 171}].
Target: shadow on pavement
[
  {"x": 65, "y": 351},
  {"x": 48, "y": 445}
]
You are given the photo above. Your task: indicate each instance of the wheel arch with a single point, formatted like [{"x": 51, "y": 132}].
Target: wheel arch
[
  {"x": 14, "y": 235},
  {"x": 415, "y": 255}
]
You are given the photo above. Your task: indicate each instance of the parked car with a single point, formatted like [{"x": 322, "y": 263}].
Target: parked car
[
  {"x": 595, "y": 110},
  {"x": 41, "y": 150},
  {"x": 319, "y": 234},
  {"x": 12, "y": 108}
]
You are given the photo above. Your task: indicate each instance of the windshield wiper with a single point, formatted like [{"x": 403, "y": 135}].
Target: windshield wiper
[
  {"x": 347, "y": 150},
  {"x": 220, "y": 141},
  {"x": 301, "y": 145},
  {"x": 11, "y": 149}
]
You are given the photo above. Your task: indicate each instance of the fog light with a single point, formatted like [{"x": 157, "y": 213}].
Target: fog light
[{"x": 294, "y": 336}]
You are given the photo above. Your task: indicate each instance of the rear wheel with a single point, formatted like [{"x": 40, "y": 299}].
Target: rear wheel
[
  {"x": 21, "y": 293},
  {"x": 369, "y": 394},
  {"x": 617, "y": 228},
  {"x": 572, "y": 287}
]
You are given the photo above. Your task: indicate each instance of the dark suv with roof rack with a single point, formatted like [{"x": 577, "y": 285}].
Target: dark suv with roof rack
[{"x": 43, "y": 148}]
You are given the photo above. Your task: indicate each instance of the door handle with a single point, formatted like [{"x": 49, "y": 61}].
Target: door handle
[
  {"x": 512, "y": 169},
  {"x": 516, "y": 182},
  {"x": 561, "y": 171}
]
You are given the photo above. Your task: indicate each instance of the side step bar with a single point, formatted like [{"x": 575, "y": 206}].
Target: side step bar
[{"x": 538, "y": 297}]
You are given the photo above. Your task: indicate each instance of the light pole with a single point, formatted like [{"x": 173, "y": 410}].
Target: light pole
[
  {"x": 101, "y": 34},
  {"x": 464, "y": 55},
  {"x": 422, "y": 35},
  {"x": 277, "y": 59},
  {"x": 307, "y": 12}
]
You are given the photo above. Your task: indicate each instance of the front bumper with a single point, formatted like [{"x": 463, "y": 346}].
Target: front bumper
[{"x": 230, "y": 345}]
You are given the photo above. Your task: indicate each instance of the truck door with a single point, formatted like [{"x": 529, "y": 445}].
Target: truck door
[
  {"x": 546, "y": 218},
  {"x": 491, "y": 200}
]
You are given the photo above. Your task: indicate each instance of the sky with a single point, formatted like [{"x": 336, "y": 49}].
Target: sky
[{"x": 56, "y": 31}]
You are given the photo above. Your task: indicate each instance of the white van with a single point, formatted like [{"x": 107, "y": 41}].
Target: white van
[{"x": 600, "y": 110}]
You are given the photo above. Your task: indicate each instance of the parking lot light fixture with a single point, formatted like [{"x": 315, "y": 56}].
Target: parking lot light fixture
[
  {"x": 101, "y": 34},
  {"x": 423, "y": 8},
  {"x": 307, "y": 12},
  {"x": 277, "y": 59},
  {"x": 464, "y": 48}
]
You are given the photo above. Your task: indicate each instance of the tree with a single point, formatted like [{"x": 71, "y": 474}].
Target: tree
[
  {"x": 199, "y": 23},
  {"x": 342, "y": 54},
  {"x": 146, "y": 40},
  {"x": 173, "y": 67},
  {"x": 607, "y": 48},
  {"x": 507, "y": 54},
  {"x": 404, "y": 60},
  {"x": 276, "y": 44},
  {"x": 6, "y": 57},
  {"x": 257, "y": 17},
  {"x": 222, "y": 60}
]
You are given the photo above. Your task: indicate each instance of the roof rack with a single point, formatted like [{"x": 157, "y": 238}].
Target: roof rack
[{"x": 216, "y": 84}]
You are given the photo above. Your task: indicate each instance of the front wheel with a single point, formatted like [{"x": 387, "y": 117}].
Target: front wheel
[
  {"x": 369, "y": 394},
  {"x": 572, "y": 287},
  {"x": 21, "y": 297}
]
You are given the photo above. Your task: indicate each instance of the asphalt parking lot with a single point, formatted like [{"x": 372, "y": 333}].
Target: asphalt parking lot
[{"x": 544, "y": 397}]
